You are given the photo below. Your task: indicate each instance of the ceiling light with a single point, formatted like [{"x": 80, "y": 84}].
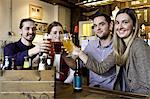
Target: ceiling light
[{"x": 94, "y": 2}]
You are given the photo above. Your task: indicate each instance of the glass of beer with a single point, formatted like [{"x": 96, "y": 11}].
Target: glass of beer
[
  {"x": 57, "y": 47},
  {"x": 67, "y": 42},
  {"x": 47, "y": 37}
]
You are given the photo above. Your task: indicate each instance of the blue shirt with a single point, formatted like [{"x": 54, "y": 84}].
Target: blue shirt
[
  {"x": 17, "y": 50},
  {"x": 96, "y": 51}
]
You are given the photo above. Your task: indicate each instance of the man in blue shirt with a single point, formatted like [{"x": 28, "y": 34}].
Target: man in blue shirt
[
  {"x": 24, "y": 47},
  {"x": 99, "y": 49}
]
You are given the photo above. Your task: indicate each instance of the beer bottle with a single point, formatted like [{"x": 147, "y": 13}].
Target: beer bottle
[
  {"x": 30, "y": 63},
  {"x": 77, "y": 82},
  {"x": 42, "y": 64},
  {"x": 6, "y": 63},
  {"x": 26, "y": 65},
  {"x": 13, "y": 64},
  {"x": 1, "y": 64},
  {"x": 49, "y": 62}
]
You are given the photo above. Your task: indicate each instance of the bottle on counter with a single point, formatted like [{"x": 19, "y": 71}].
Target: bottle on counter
[
  {"x": 49, "y": 62},
  {"x": 13, "y": 67},
  {"x": 1, "y": 64},
  {"x": 43, "y": 62},
  {"x": 30, "y": 63},
  {"x": 26, "y": 65},
  {"x": 77, "y": 82},
  {"x": 6, "y": 65}
]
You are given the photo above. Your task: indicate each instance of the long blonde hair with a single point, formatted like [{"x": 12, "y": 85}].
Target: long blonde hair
[{"x": 121, "y": 51}]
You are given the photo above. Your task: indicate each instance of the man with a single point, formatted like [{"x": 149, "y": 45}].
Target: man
[
  {"x": 99, "y": 50},
  {"x": 24, "y": 47}
]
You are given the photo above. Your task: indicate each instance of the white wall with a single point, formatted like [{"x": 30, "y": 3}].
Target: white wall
[
  {"x": 64, "y": 16},
  {"x": 56, "y": 9},
  {"x": 4, "y": 18},
  {"x": 12, "y": 11},
  {"x": 20, "y": 9}
]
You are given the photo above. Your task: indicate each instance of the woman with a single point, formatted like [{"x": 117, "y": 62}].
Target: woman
[
  {"x": 131, "y": 54},
  {"x": 56, "y": 29}
]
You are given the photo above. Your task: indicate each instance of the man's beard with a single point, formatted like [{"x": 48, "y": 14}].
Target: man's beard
[
  {"x": 31, "y": 39},
  {"x": 104, "y": 37}
]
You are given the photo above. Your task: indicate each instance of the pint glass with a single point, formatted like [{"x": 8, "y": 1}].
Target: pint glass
[
  {"x": 57, "y": 47},
  {"x": 67, "y": 42}
]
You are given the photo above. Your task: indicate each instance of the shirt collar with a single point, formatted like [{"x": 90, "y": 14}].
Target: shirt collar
[
  {"x": 98, "y": 44},
  {"x": 22, "y": 45}
]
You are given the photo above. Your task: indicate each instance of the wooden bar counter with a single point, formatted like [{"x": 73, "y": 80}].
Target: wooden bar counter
[
  {"x": 27, "y": 84},
  {"x": 65, "y": 91},
  {"x": 34, "y": 84}
]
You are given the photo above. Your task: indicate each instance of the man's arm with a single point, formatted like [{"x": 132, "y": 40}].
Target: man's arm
[
  {"x": 69, "y": 61},
  {"x": 34, "y": 51},
  {"x": 11, "y": 50},
  {"x": 100, "y": 67},
  {"x": 94, "y": 65}
]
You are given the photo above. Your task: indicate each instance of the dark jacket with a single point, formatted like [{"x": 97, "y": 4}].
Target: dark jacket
[{"x": 17, "y": 50}]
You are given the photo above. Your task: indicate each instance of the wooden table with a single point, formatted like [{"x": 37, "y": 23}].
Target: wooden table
[{"x": 65, "y": 91}]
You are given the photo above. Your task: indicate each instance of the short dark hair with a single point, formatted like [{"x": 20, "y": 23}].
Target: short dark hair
[
  {"x": 25, "y": 20},
  {"x": 54, "y": 23},
  {"x": 98, "y": 14}
]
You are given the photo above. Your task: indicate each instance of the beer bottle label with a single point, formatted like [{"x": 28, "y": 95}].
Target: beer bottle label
[
  {"x": 41, "y": 66},
  {"x": 48, "y": 61},
  {"x": 77, "y": 82},
  {"x": 26, "y": 65}
]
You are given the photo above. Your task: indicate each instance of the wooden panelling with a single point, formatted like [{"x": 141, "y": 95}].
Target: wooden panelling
[
  {"x": 27, "y": 84},
  {"x": 27, "y": 96}
]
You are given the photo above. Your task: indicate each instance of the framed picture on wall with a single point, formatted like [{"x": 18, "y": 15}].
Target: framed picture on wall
[
  {"x": 35, "y": 12},
  {"x": 41, "y": 27}
]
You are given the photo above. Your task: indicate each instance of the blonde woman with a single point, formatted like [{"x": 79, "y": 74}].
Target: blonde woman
[{"x": 130, "y": 53}]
